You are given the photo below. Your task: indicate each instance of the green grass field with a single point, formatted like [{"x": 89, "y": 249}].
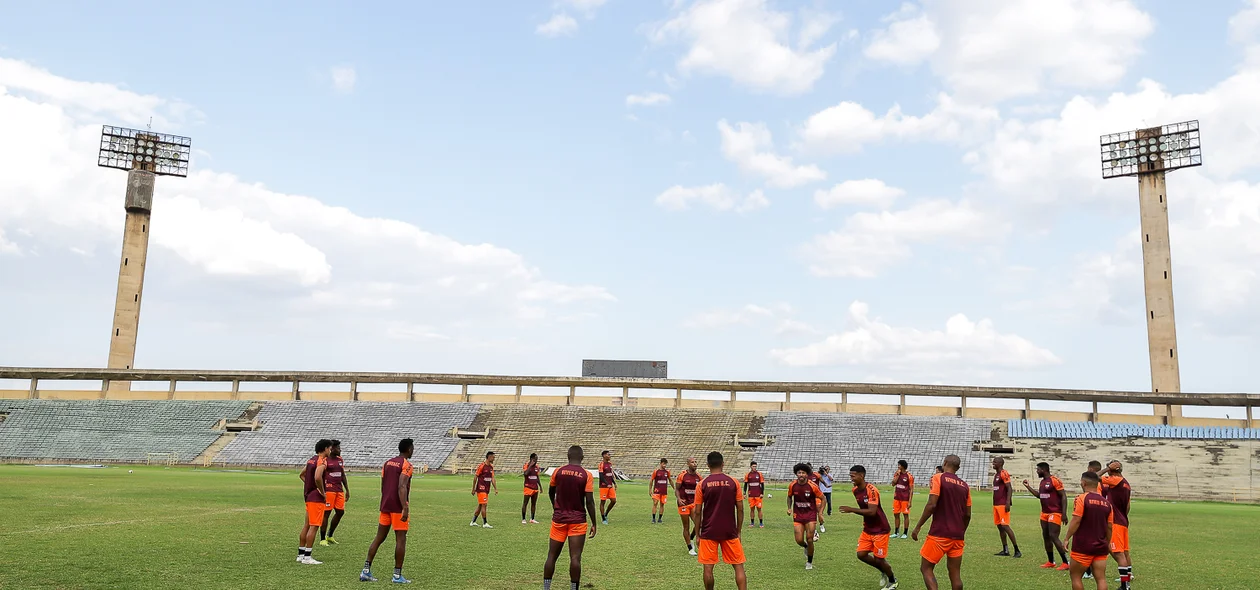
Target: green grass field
[{"x": 186, "y": 528}]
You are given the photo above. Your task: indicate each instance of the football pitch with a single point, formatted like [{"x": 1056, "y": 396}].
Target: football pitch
[{"x": 190, "y": 528}]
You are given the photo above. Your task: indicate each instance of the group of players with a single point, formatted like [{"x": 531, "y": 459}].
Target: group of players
[{"x": 711, "y": 509}]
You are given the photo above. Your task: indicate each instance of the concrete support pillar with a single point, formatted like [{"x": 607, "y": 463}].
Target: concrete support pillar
[
  {"x": 625, "y": 396},
  {"x": 844, "y": 402},
  {"x": 1093, "y": 415},
  {"x": 1161, "y": 330},
  {"x": 135, "y": 250},
  {"x": 1027, "y": 409},
  {"x": 463, "y": 392},
  {"x": 34, "y": 393},
  {"x": 354, "y": 391},
  {"x": 296, "y": 393},
  {"x": 236, "y": 389},
  {"x": 518, "y": 394},
  {"x": 962, "y": 410},
  {"x": 787, "y": 400},
  {"x": 411, "y": 391},
  {"x": 572, "y": 395},
  {"x": 170, "y": 390},
  {"x": 901, "y": 406},
  {"x": 1251, "y": 417},
  {"x": 678, "y": 398},
  {"x": 105, "y": 387},
  {"x": 731, "y": 405}
]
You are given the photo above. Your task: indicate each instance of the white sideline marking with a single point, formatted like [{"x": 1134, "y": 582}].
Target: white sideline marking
[{"x": 66, "y": 527}]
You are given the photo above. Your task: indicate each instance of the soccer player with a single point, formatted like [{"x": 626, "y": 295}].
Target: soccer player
[
  {"x": 815, "y": 479},
  {"x": 572, "y": 500},
  {"x": 754, "y": 487},
  {"x": 872, "y": 548},
  {"x": 1002, "y": 498},
  {"x": 903, "y": 495},
  {"x": 337, "y": 491},
  {"x": 685, "y": 492},
  {"x": 607, "y": 485},
  {"x": 802, "y": 497},
  {"x": 721, "y": 506},
  {"x": 313, "y": 490},
  {"x": 659, "y": 490},
  {"x": 483, "y": 481},
  {"x": 1095, "y": 467},
  {"x": 395, "y": 511},
  {"x": 530, "y": 472},
  {"x": 1053, "y": 514},
  {"x": 1090, "y": 533},
  {"x": 1117, "y": 491},
  {"x": 949, "y": 507},
  {"x": 825, "y": 481}
]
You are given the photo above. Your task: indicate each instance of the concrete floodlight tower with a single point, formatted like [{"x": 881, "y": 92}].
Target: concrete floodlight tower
[
  {"x": 1149, "y": 154},
  {"x": 145, "y": 156}
]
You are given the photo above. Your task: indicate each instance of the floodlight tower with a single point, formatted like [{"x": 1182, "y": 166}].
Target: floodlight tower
[
  {"x": 145, "y": 156},
  {"x": 1149, "y": 154}
]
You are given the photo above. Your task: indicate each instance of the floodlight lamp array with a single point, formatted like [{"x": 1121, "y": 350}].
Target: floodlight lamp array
[
  {"x": 135, "y": 149},
  {"x": 1151, "y": 150}
]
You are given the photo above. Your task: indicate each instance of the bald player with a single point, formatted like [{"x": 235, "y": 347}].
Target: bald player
[
  {"x": 872, "y": 548},
  {"x": 802, "y": 498},
  {"x": 572, "y": 494},
  {"x": 685, "y": 491},
  {"x": 1053, "y": 514},
  {"x": 949, "y": 507},
  {"x": 395, "y": 511},
  {"x": 1003, "y": 493},
  {"x": 1117, "y": 491},
  {"x": 720, "y": 504},
  {"x": 1090, "y": 533}
]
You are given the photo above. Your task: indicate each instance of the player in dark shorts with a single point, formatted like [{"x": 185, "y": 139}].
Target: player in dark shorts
[
  {"x": 659, "y": 490},
  {"x": 755, "y": 489},
  {"x": 721, "y": 506},
  {"x": 1053, "y": 514},
  {"x": 483, "y": 481},
  {"x": 685, "y": 492},
  {"x": 1090, "y": 533},
  {"x": 395, "y": 511},
  {"x": 530, "y": 473},
  {"x": 802, "y": 498},
  {"x": 572, "y": 497},
  {"x": 336, "y": 492},
  {"x": 949, "y": 507},
  {"x": 607, "y": 485},
  {"x": 312, "y": 477},
  {"x": 1117, "y": 490},
  {"x": 1003, "y": 495},
  {"x": 872, "y": 548}
]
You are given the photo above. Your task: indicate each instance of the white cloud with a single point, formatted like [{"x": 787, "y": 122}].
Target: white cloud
[
  {"x": 963, "y": 343},
  {"x": 864, "y": 192},
  {"x": 870, "y": 242},
  {"x": 748, "y": 42},
  {"x": 910, "y": 38},
  {"x": 749, "y": 145},
  {"x": 721, "y": 318},
  {"x": 848, "y": 126},
  {"x": 343, "y": 78},
  {"x": 647, "y": 99},
  {"x": 584, "y": 6},
  {"x": 715, "y": 196},
  {"x": 559, "y": 24},
  {"x": 92, "y": 99}
]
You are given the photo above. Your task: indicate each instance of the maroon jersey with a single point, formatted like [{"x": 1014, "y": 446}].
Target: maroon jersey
[
  {"x": 334, "y": 473},
  {"x": 572, "y": 483},
  {"x": 606, "y": 475},
  {"x": 1002, "y": 488},
  {"x": 660, "y": 482},
  {"x": 876, "y": 524},
  {"x": 756, "y": 484},
  {"x": 717, "y": 495},
  {"x": 1049, "y": 494},
  {"x": 804, "y": 501},
  {"x": 953, "y": 497},
  {"x": 393, "y": 471},
  {"x": 485, "y": 477},
  {"x": 1094, "y": 515},
  {"x": 1117, "y": 491},
  {"x": 309, "y": 489},
  {"x": 531, "y": 476},
  {"x": 687, "y": 482},
  {"x": 903, "y": 486}
]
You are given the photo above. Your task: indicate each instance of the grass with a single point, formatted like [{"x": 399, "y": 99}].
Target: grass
[{"x": 186, "y": 528}]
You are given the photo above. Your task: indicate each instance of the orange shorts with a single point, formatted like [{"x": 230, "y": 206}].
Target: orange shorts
[
  {"x": 560, "y": 532},
  {"x": 660, "y": 498},
  {"x": 1055, "y": 518},
  {"x": 901, "y": 507},
  {"x": 755, "y": 502},
  {"x": 393, "y": 520},
  {"x": 877, "y": 544},
  {"x": 607, "y": 494},
  {"x": 531, "y": 492},
  {"x": 1001, "y": 516},
  {"x": 732, "y": 551},
  {"x": 335, "y": 501},
  {"x": 1119, "y": 538},
  {"x": 937, "y": 548},
  {"x": 314, "y": 513},
  {"x": 686, "y": 510},
  {"x": 483, "y": 498},
  {"x": 1087, "y": 560}
]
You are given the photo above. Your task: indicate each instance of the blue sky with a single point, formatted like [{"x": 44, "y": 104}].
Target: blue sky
[{"x": 511, "y": 187}]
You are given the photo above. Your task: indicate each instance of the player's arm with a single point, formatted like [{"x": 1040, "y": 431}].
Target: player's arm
[
  {"x": 1010, "y": 495},
  {"x": 910, "y": 496},
  {"x": 551, "y": 489},
  {"x": 1029, "y": 488},
  {"x": 1063, "y": 502},
  {"x": 967, "y": 513},
  {"x": 476, "y": 479},
  {"x": 404, "y": 494},
  {"x": 590, "y": 510},
  {"x": 345, "y": 483},
  {"x": 1075, "y": 524},
  {"x": 494, "y": 482},
  {"x": 319, "y": 478},
  {"x": 928, "y": 511}
]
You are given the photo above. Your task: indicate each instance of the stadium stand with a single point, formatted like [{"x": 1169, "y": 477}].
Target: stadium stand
[
  {"x": 638, "y": 437},
  {"x": 873, "y": 440},
  {"x": 110, "y": 430},
  {"x": 369, "y": 432},
  {"x": 1047, "y": 429}
]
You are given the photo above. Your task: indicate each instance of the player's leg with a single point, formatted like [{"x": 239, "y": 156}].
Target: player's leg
[
  {"x": 549, "y": 567},
  {"x": 1010, "y": 534},
  {"x": 576, "y": 544},
  {"x": 686, "y": 530},
  {"x": 524, "y": 505},
  {"x": 954, "y": 564},
  {"x": 1045, "y": 539},
  {"x": 612, "y": 503},
  {"x": 382, "y": 531},
  {"x": 811, "y": 533},
  {"x": 798, "y": 529},
  {"x": 1058, "y": 543},
  {"x": 485, "y": 512},
  {"x": 708, "y": 576},
  {"x": 928, "y": 569},
  {"x": 1100, "y": 573},
  {"x": 1077, "y": 572},
  {"x": 741, "y": 577},
  {"x": 533, "y": 508},
  {"x": 323, "y": 527},
  {"x": 336, "y": 520},
  {"x": 476, "y": 513},
  {"x": 400, "y": 554}
]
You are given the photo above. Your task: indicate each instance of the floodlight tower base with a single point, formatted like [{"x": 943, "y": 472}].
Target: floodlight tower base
[
  {"x": 135, "y": 251},
  {"x": 1161, "y": 329}
]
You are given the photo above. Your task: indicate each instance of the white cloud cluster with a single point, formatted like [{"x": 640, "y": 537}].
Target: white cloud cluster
[
  {"x": 848, "y": 126},
  {"x": 343, "y": 78},
  {"x": 748, "y": 42},
  {"x": 868, "y": 192},
  {"x": 780, "y": 315},
  {"x": 715, "y": 196},
  {"x": 910, "y": 38},
  {"x": 561, "y": 24},
  {"x": 749, "y": 145},
  {"x": 647, "y": 99}
]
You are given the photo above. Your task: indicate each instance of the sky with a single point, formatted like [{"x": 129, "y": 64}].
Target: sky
[{"x": 747, "y": 189}]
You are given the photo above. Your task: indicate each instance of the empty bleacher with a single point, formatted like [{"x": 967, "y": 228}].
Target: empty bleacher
[
  {"x": 110, "y": 430},
  {"x": 638, "y": 437},
  {"x": 369, "y": 432},
  {"x": 1099, "y": 430},
  {"x": 874, "y": 441}
]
